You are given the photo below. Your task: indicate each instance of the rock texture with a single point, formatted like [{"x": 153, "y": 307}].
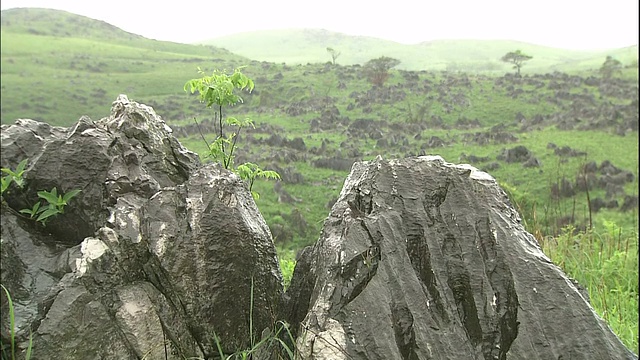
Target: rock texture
[
  {"x": 422, "y": 259},
  {"x": 159, "y": 256},
  {"x": 156, "y": 256}
]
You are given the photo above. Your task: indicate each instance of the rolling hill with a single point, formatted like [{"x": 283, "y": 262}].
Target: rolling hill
[
  {"x": 301, "y": 46},
  {"x": 57, "y": 65},
  {"x": 313, "y": 120}
]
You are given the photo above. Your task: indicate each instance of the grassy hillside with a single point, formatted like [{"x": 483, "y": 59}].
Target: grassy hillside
[
  {"x": 301, "y": 46},
  {"x": 62, "y": 24},
  {"x": 58, "y": 66},
  {"x": 313, "y": 121}
]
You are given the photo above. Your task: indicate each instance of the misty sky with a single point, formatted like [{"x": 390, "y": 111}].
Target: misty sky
[{"x": 570, "y": 24}]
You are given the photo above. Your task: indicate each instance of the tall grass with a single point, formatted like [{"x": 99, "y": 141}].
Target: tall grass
[
  {"x": 272, "y": 343},
  {"x": 9, "y": 350},
  {"x": 605, "y": 261}
]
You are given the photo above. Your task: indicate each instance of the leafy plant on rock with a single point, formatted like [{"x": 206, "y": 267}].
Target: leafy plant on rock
[
  {"x": 13, "y": 176},
  {"x": 250, "y": 171},
  {"x": 55, "y": 202},
  {"x": 219, "y": 90}
]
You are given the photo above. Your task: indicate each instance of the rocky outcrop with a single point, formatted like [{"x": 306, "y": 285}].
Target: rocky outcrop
[
  {"x": 157, "y": 256},
  {"x": 422, "y": 259},
  {"x": 160, "y": 256}
]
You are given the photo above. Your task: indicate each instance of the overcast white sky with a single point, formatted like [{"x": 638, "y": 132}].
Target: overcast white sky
[{"x": 571, "y": 24}]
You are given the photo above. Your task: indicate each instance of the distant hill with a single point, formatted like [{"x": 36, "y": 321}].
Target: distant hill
[
  {"x": 65, "y": 25},
  {"x": 301, "y": 46},
  {"x": 57, "y": 66},
  {"x": 60, "y": 23}
]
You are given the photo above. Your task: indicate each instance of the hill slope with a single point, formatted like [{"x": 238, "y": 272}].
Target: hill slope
[
  {"x": 301, "y": 46},
  {"x": 60, "y": 23},
  {"x": 536, "y": 134},
  {"x": 57, "y": 65}
]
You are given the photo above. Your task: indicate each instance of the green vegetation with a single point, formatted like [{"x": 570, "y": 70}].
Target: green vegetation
[
  {"x": 272, "y": 343},
  {"x": 606, "y": 263},
  {"x": 304, "y": 46},
  {"x": 8, "y": 351},
  {"x": 55, "y": 203},
  {"x": 610, "y": 67},
  {"x": 517, "y": 58},
  {"x": 377, "y": 70},
  {"x": 89, "y": 71},
  {"x": 287, "y": 265},
  {"x": 13, "y": 176},
  {"x": 307, "y": 117},
  {"x": 55, "y": 206},
  {"x": 218, "y": 89},
  {"x": 334, "y": 54}
]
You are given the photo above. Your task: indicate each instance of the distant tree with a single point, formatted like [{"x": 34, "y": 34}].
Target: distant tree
[
  {"x": 334, "y": 54},
  {"x": 610, "y": 67},
  {"x": 517, "y": 58},
  {"x": 377, "y": 70}
]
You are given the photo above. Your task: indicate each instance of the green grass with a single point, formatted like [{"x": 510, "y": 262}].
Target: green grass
[
  {"x": 8, "y": 351},
  {"x": 606, "y": 263},
  {"x": 98, "y": 62},
  {"x": 302, "y": 46},
  {"x": 278, "y": 348},
  {"x": 89, "y": 74}
]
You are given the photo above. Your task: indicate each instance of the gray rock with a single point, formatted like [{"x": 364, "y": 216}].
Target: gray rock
[
  {"x": 422, "y": 259},
  {"x": 158, "y": 253},
  {"x": 517, "y": 154}
]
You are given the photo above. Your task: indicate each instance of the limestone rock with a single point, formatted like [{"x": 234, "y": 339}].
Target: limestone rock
[
  {"x": 422, "y": 259},
  {"x": 158, "y": 253}
]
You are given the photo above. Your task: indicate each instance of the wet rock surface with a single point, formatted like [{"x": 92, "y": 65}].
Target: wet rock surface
[
  {"x": 422, "y": 259},
  {"x": 158, "y": 254}
]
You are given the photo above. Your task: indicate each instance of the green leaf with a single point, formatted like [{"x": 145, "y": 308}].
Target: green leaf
[
  {"x": 30, "y": 346},
  {"x": 9, "y": 172},
  {"x": 12, "y": 322},
  {"x": 19, "y": 181},
  {"x": 26, "y": 211},
  {"x": 47, "y": 214},
  {"x": 247, "y": 122},
  {"x": 189, "y": 87},
  {"x": 51, "y": 197},
  {"x": 6, "y": 181},
  {"x": 21, "y": 167},
  {"x": 269, "y": 174},
  {"x": 70, "y": 195},
  {"x": 246, "y": 171},
  {"x": 33, "y": 211},
  {"x": 231, "y": 121}
]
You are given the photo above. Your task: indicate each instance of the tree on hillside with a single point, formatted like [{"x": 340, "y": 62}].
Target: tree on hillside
[
  {"x": 334, "y": 54},
  {"x": 610, "y": 67},
  {"x": 517, "y": 58},
  {"x": 377, "y": 70}
]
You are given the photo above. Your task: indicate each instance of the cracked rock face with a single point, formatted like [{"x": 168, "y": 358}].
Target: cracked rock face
[
  {"x": 158, "y": 253},
  {"x": 422, "y": 259}
]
